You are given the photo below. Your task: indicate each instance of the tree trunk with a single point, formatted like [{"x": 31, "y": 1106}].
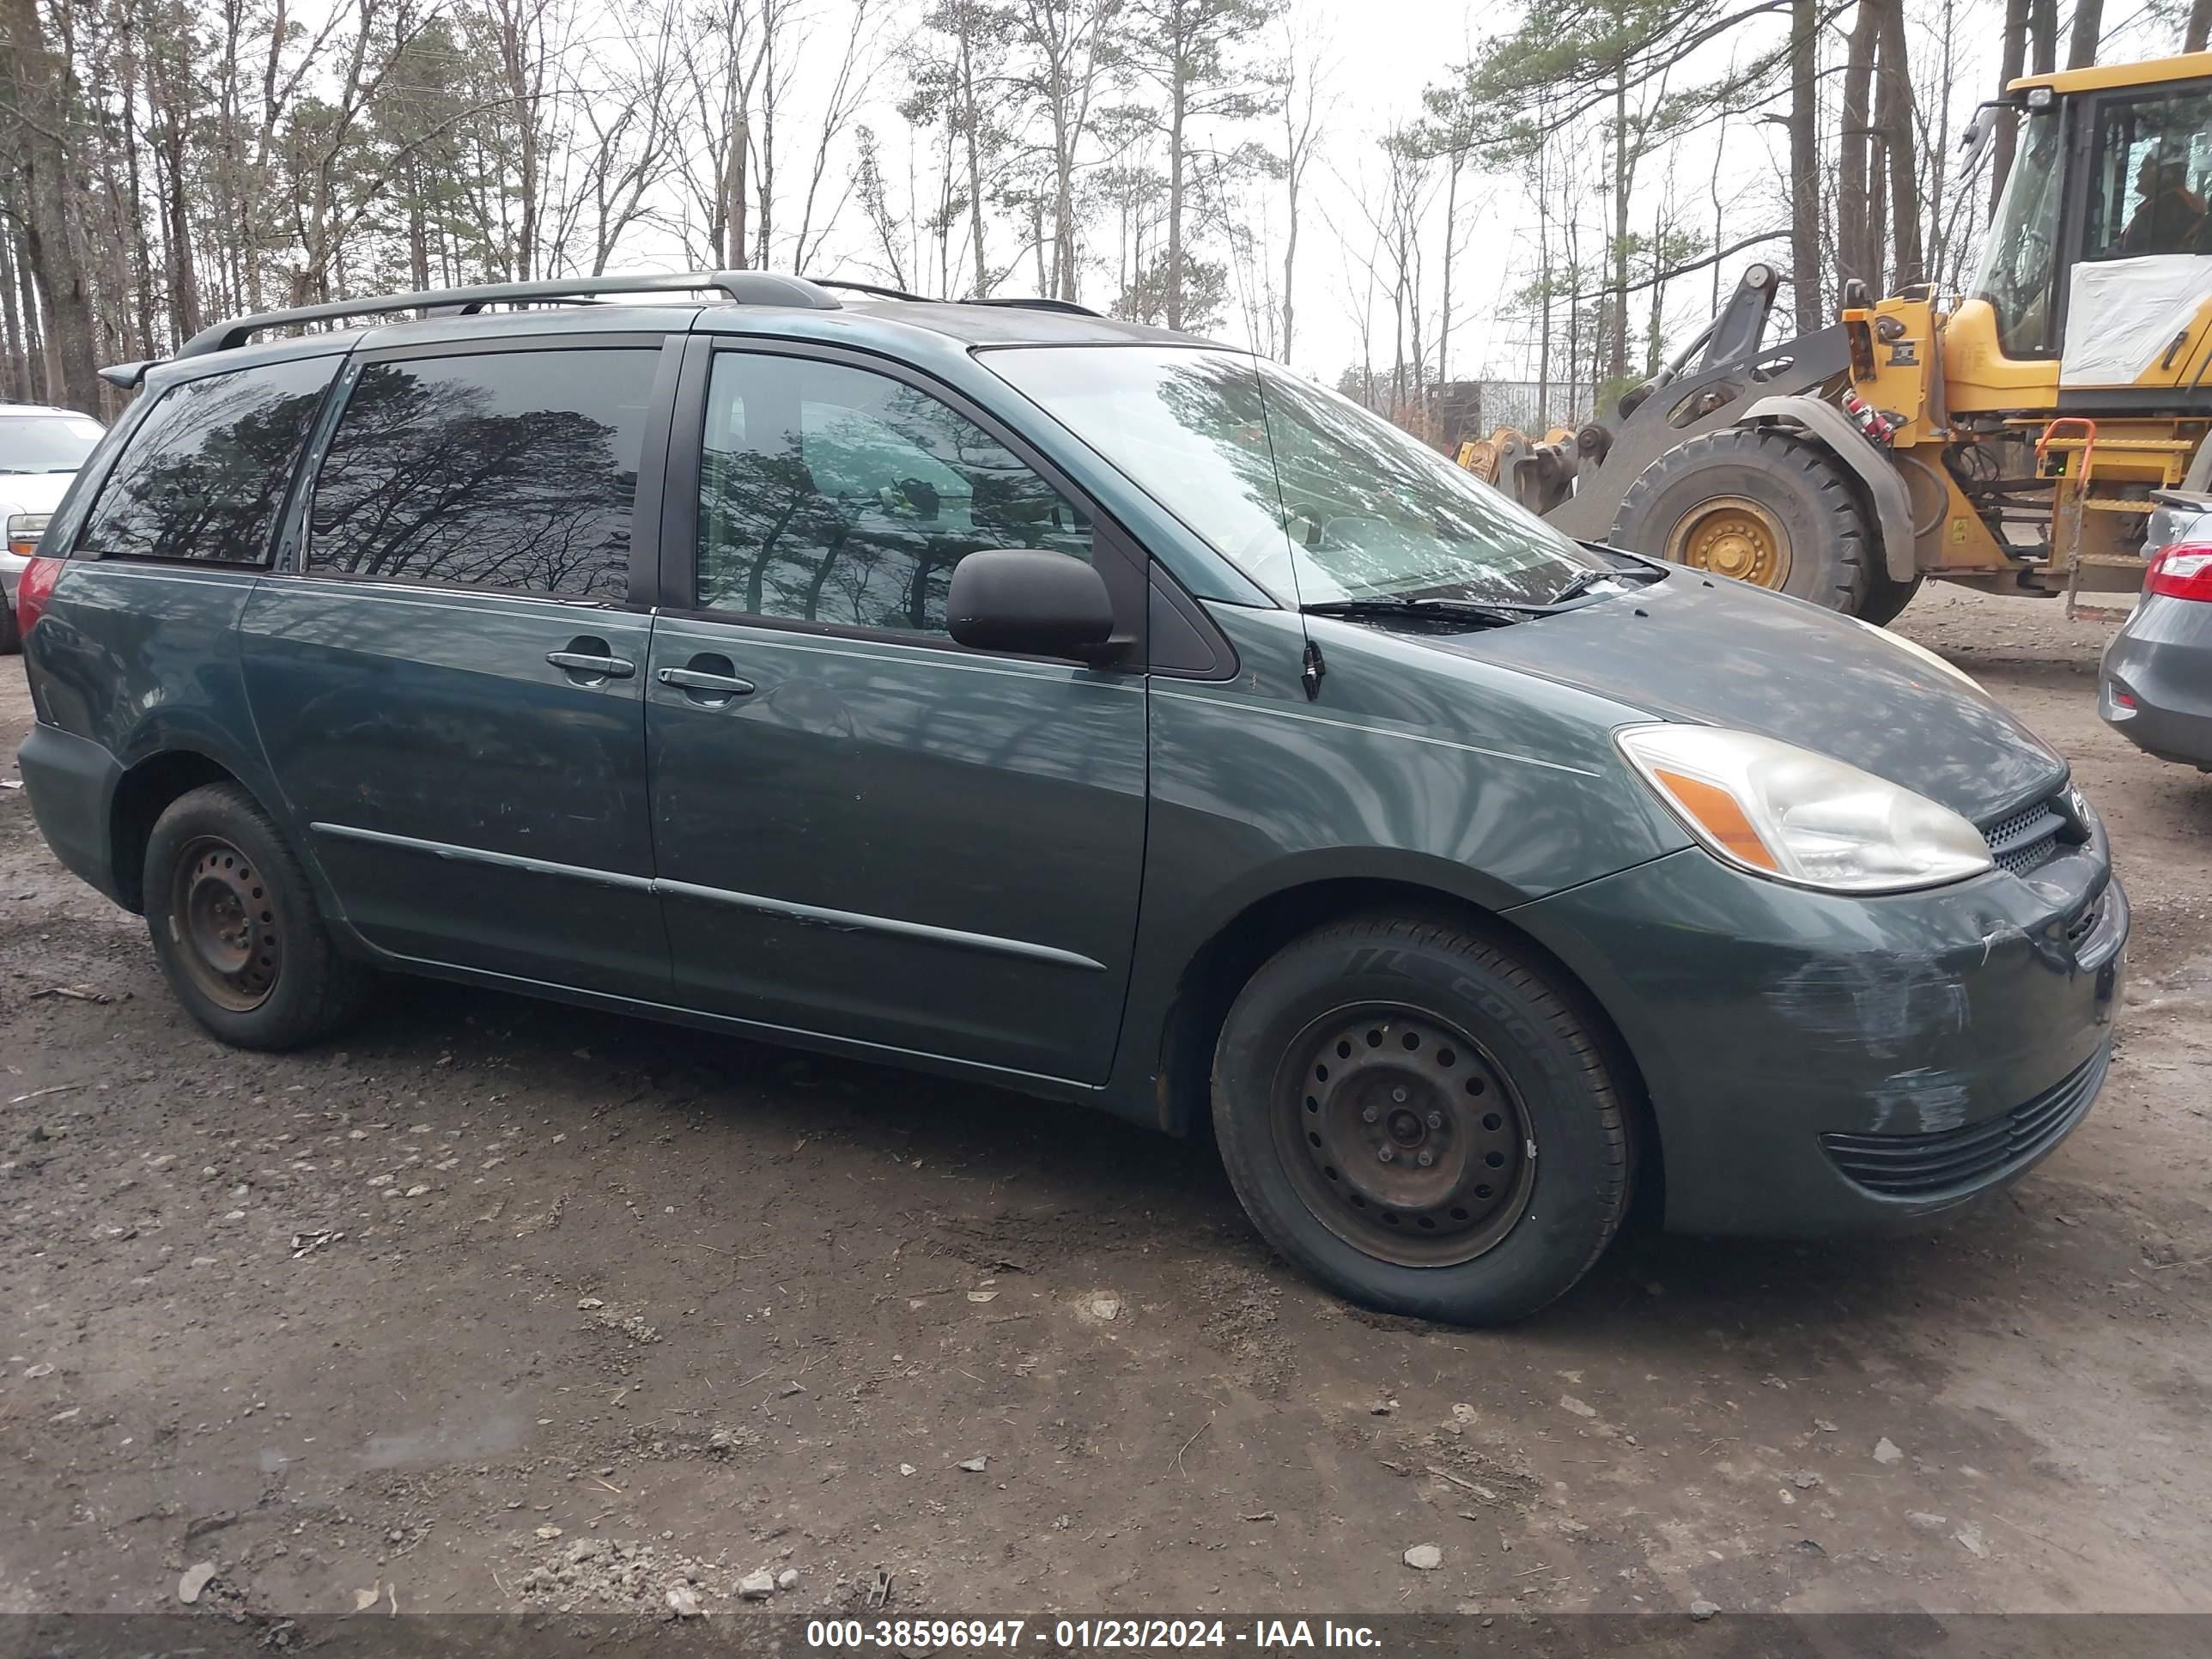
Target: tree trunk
[
  {"x": 2200, "y": 25},
  {"x": 1063, "y": 192},
  {"x": 1893, "y": 117},
  {"x": 2042, "y": 35},
  {"x": 38, "y": 384},
  {"x": 2012, "y": 64},
  {"x": 971, "y": 118},
  {"x": 1804, "y": 163},
  {"x": 1444, "y": 306},
  {"x": 2088, "y": 24},
  {"x": 14, "y": 361},
  {"x": 52, "y": 243},
  {"x": 1624, "y": 169},
  {"x": 1853, "y": 226},
  {"x": 734, "y": 254},
  {"x": 1177, "y": 96}
]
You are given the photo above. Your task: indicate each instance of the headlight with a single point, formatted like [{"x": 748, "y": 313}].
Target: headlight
[
  {"x": 1788, "y": 813},
  {"x": 24, "y": 530},
  {"x": 1922, "y": 652}
]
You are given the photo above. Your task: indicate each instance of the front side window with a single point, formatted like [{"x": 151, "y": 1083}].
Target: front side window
[
  {"x": 204, "y": 476},
  {"x": 47, "y": 443},
  {"x": 2149, "y": 171},
  {"x": 2019, "y": 260},
  {"x": 838, "y": 495},
  {"x": 513, "y": 469},
  {"x": 1310, "y": 495}
]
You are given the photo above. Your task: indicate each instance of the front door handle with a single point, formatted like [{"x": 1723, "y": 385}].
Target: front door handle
[{"x": 713, "y": 687}]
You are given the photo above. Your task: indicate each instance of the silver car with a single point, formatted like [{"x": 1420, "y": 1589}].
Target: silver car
[
  {"x": 2154, "y": 686},
  {"x": 40, "y": 450}
]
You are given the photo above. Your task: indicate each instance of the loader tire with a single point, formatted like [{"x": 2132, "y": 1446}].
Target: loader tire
[
  {"x": 1763, "y": 506},
  {"x": 1887, "y": 597}
]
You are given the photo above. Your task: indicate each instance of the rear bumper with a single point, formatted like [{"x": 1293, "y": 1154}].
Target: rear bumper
[
  {"x": 71, "y": 782},
  {"x": 1820, "y": 1064},
  {"x": 2162, "y": 661}
]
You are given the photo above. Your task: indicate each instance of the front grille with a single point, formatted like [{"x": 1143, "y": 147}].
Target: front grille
[
  {"x": 1957, "y": 1160},
  {"x": 2029, "y": 838}
]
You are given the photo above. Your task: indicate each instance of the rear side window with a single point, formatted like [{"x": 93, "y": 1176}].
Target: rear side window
[
  {"x": 204, "y": 476},
  {"x": 510, "y": 470}
]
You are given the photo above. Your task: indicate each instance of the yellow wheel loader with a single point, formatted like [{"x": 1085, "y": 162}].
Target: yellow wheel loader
[{"x": 2012, "y": 438}]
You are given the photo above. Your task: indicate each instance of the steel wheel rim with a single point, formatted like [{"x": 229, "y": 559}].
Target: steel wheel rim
[
  {"x": 1734, "y": 536},
  {"x": 223, "y": 922},
  {"x": 1362, "y": 1093}
]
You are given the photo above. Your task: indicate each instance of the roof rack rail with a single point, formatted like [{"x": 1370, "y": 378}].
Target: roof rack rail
[
  {"x": 757, "y": 287},
  {"x": 1037, "y": 303},
  {"x": 874, "y": 290},
  {"x": 878, "y": 291}
]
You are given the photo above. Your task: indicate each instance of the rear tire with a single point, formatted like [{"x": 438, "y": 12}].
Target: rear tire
[
  {"x": 236, "y": 929},
  {"x": 1416, "y": 1117},
  {"x": 1760, "y": 505}
]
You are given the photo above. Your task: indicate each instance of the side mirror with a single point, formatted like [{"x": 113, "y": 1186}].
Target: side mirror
[
  {"x": 1029, "y": 601},
  {"x": 1974, "y": 141}
]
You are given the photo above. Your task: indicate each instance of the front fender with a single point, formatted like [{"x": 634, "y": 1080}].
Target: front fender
[{"x": 1822, "y": 421}]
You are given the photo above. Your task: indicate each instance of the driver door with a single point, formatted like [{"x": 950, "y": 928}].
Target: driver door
[{"x": 862, "y": 830}]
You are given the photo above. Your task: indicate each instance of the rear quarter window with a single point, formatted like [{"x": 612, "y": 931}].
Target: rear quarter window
[{"x": 203, "y": 479}]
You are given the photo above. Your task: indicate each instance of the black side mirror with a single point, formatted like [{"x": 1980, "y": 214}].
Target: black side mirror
[{"x": 1030, "y": 601}]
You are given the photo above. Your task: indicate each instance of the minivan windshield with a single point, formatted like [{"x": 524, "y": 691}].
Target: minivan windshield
[
  {"x": 47, "y": 443},
  {"x": 1243, "y": 451}
]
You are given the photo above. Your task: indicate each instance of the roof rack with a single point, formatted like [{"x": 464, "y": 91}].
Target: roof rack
[
  {"x": 755, "y": 288},
  {"x": 877, "y": 291},
  {"x": 874, "y": 290},
  {"x": 1037, "y": 303}
]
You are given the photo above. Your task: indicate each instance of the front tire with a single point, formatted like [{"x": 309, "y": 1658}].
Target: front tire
[
  {"x": 11, "y": 638},
  {"x": 1416, "y": 1117},
  {"x": 1760, "y": 505},
  {"x": 236, "y": 929}
]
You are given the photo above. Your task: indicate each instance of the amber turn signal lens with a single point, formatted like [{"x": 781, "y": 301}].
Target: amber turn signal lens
[{"x": 1716, "y": 809}]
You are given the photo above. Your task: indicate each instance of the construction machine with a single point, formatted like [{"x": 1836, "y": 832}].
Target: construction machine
[{"x": 2012, "y": 437}]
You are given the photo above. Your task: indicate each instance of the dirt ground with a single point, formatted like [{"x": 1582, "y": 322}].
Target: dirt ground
[{"x": 501, "y": 1305}]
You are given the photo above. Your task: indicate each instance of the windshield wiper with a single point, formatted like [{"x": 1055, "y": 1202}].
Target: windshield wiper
[
  {"x": 1582, "y": 580},
  {"x": 1430, "y": 610}
]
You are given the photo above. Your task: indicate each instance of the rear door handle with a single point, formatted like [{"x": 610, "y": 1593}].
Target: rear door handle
[
  {"x": 579, "y": 662},
  {"x": 692, "y": 679}
]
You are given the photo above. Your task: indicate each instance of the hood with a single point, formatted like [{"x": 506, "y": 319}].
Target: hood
[
  {"x": 33, "y": 492},
  {"x": 1717, "y": 652}
]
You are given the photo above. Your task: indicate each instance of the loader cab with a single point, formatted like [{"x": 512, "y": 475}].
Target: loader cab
[{"x": 2103, "y": 222}]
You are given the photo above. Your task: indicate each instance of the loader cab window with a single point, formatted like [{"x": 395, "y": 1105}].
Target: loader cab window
[
  {"x": 2018, "y": 268},
  {"x": 2150, "y": 170}
]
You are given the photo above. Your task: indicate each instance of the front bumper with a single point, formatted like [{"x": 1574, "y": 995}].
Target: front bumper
[
  {"x": 1818, "y": 1064},
  {"x": 2162, "y": 659}
]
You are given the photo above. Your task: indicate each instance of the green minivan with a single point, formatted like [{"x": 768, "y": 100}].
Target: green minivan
[{"x": 1075, "y": 707}]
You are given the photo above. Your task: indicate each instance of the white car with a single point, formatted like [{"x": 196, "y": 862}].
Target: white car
[{"x": 40, "y": 450}]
